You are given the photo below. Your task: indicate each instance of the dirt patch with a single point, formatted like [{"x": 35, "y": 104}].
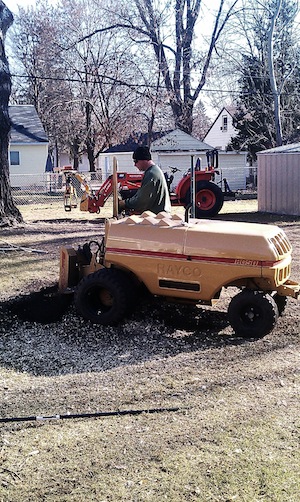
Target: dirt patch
[{"x": 44, "y": 306}]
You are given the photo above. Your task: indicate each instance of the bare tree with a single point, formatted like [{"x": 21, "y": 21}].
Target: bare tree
[
  {"x": 117, "y": 87},
  {"x": 9, "y": 214},
  {"x": 114, "y": 82},
  {"x": 89, "y": 91},
  {"x": 275, "y": 10},
  {"x": 184, "y": 69},
  {"x": 37, "y": 59},
  {"x": 170, "y": 28}
]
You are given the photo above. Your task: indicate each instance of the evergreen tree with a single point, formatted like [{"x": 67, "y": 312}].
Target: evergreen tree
[{"x": 255, "y": 118}]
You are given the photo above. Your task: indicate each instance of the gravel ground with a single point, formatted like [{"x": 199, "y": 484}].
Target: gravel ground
[{"x": 167, "y": 328}]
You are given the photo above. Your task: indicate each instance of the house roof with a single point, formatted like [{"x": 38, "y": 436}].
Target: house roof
[
  {"x": 292, "y": 148},
  {"x": 179, "y": 141},
  {"x": 26, "y": 126},
  {"x": 170, "y": 141},
  {"x": 229, "y": 109},
  {"x": 131, "y": 143}
]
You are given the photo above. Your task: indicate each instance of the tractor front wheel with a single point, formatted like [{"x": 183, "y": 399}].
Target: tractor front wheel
[
  {"x": 102, "y": 297},
  {"x": 252, "y": 314},
  {"x": 209, "y": 199}
]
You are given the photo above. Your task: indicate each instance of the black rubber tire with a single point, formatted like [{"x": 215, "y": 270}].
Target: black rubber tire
[
  {"x": 252, "y": 314},
  {"x": 209, "y": 199},
  {"x": 281, "y": 302},
  {"x": 103, "y": 297}
]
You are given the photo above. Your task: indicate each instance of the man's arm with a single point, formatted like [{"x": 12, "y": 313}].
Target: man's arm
[{"x": 141, "y": 201}]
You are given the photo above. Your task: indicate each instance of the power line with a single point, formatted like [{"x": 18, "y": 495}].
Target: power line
[
  {"x": 95, "y": 81},
  {"x": 145, "y": 86}
]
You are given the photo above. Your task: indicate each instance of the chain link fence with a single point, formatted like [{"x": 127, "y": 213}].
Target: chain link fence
[
  {"x": 47, "y": 187},
  {"x": 42, "y": 195}
]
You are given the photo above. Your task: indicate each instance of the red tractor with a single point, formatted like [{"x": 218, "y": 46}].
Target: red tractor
[{"x": 208, "y": 197}]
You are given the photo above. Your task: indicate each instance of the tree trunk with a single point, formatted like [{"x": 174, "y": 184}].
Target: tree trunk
[
  {"x": 183, "y": 115},
  {"x": 90, "y": 143},
  {"x": 75, "y": 149},
  {"x": 274, "y": 87},
  {"x": 181, "y": 96},
  {"x": 9, "y": 214}
]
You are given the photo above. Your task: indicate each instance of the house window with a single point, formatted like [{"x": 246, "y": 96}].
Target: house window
[
  {"x": 224, "y": 123},
  {"x": 14, "y": 158}
]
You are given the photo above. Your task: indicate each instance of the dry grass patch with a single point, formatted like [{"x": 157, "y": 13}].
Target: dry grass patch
[{"x": 210, "y": 452}]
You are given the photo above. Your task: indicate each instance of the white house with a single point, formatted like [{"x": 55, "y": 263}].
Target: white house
[
  {"x": 64, "y": 159},
  {"x": 174, "y": 149},
  {"x": 233, "y": 163},
  {"x": 222, "y": 129},
  {"x": 28, "y": 148}
]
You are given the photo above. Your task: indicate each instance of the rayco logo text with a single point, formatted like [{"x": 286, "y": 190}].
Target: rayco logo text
[{"x": 178, "y": 270}]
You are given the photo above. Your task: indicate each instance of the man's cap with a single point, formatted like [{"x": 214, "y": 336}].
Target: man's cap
[{"x": 141, "y": 153}]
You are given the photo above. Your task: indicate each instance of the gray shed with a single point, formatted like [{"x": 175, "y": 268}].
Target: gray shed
[{"x": 278, "y": 188}]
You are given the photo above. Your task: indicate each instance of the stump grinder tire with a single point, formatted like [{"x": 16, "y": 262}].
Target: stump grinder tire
[
  {"x": 252, "y": 314},
  {"x": 209, "y": 199},
  {"x": 103, "y": 297}
]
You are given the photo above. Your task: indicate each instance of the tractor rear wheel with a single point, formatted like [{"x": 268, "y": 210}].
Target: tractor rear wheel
[
  {"x": 252, "y": 314},
  {"x": 209, "y": 199},
  {"x": 102, "y": 297}
]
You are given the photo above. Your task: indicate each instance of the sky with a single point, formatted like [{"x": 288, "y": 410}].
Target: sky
[
  {"x": 13, "y": 7},
  {"x": 13, "y": 4}
]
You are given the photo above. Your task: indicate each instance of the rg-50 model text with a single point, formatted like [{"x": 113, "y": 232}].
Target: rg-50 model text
[{"x": 190, "y": 261}]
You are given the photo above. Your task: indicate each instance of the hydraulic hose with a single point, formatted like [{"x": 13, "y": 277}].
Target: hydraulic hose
[{"x": 68, "y": 416}]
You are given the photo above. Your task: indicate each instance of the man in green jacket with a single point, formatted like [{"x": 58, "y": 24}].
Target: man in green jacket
[{"x": 153, "y": 194}]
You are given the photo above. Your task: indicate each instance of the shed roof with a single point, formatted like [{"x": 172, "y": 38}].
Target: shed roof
[
  {"x": 179, "y": 141},
  {"x": 292, "y": 148},
  {"x": 26, "y": 126}
]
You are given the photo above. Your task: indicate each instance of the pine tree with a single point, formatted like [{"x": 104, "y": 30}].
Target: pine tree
[{"x": 256, "y": 118}]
